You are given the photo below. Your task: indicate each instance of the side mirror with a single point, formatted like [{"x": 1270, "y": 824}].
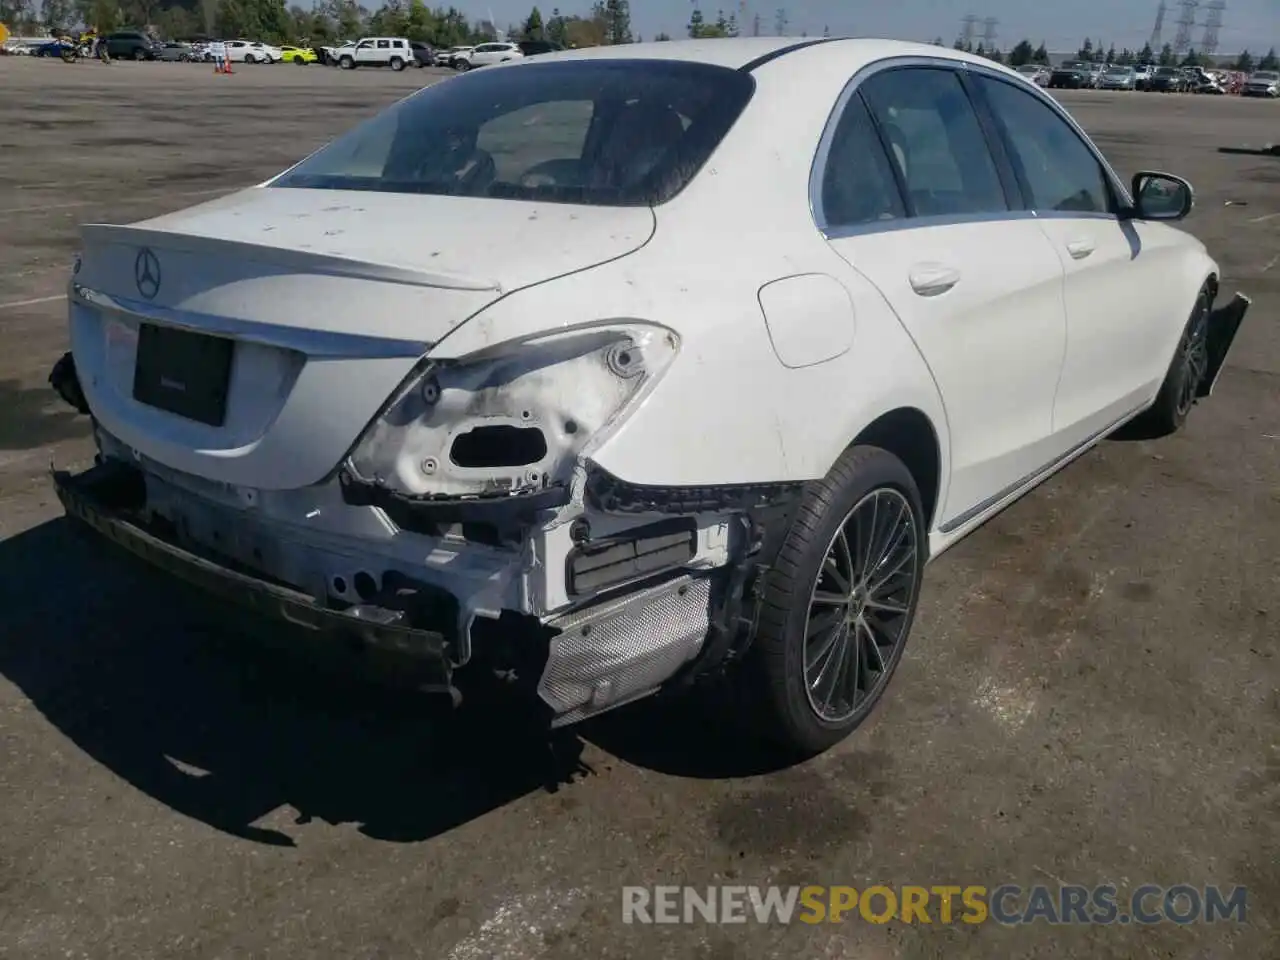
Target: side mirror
[{"x": 1161, "y": 196}]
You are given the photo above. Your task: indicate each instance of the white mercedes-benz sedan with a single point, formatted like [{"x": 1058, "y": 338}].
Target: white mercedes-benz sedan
[{"x": 704, "y": 350}]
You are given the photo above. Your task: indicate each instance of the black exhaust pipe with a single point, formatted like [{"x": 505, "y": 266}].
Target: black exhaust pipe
[{"x": 64, "y": 380}]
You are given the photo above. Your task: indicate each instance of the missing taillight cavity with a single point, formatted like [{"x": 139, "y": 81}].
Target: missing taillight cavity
[{"x": 499, "y": 446}]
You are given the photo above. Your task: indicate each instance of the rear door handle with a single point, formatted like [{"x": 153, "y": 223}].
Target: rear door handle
[
  {"x": 931, "y": 279},
  {"x": 1079, "y": 249}
]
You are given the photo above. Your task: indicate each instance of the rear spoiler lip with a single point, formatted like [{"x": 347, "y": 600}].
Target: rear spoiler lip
[{"x": 304, "y": 261}]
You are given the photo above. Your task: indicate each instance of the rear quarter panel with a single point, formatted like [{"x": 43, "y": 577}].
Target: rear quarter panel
[{"x": 728, "y": 411}]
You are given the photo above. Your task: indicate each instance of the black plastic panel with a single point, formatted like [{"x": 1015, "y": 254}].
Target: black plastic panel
[{"x": 184, "y": 373}]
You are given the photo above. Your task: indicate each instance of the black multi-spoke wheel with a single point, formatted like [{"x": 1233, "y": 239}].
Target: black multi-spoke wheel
[
  {"x": 859, "y": 608},
  {"x": 1187, "y": 369},
  {"x": 839, "y": 601},
  {"x": 1193, "y": 356}
]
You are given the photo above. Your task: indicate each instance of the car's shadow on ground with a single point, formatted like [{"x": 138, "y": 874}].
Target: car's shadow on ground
[{"x": 201, "y": 710}]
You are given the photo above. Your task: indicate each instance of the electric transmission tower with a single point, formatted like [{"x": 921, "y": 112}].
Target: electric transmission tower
[
  {"x": 989, "y": 33},
  {"x": 780, "y": 22},
  {"x": 968, "y": 27},
  {"x": 1212, "y": 24},
  {"x": 1186, "y": 23},
  {"x": 1158, "y": 29}
]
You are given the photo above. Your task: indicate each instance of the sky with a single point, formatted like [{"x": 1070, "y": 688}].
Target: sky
[{"x": 1252, "y": 24}]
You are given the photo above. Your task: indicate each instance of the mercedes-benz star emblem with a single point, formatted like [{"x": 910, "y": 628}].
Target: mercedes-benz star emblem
[{"x": 146, "y": 273}]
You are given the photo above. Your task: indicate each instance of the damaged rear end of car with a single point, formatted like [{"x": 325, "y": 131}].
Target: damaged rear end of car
[{"x": 277, "y": 422}]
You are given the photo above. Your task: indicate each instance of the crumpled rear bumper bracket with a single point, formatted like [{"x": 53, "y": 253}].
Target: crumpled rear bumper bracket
[{"x": 107, "y": 498}]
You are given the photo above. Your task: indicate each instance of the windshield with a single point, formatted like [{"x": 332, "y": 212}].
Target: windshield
[
  {"x": 1028, "y": 68},
  {"x": 1167, "y": 71},
  {"x": 1119, "y": 71},
  {"x": 1266, "y": 75},
  {"x": 598, "y": 132}
]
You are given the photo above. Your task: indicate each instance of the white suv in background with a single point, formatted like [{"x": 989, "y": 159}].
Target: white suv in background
[
  {"x": 486, "y": 54},
  {"x": 393, "y": 52}
]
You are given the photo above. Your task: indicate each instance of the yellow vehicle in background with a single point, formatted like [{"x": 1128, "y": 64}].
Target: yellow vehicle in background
[{"x": 298, "y": 55}]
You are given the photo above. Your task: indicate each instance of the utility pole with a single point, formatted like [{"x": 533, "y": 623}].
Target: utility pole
[
  {"x": 968, "y": 27},
  {"x": 1158, "y": 31},
  {"x": 1186, "y": 23},
  {"x": 989, "y": 33},
  {"x": 780, "y": 22},
  {"x": 1212, "y": 24},
  {"x": 755, "y": 25}
]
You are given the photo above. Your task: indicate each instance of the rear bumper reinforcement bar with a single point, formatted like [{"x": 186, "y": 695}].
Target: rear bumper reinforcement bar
[{"x": 106, "y": 497}]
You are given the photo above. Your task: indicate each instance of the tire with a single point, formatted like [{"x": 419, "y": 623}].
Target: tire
[
  {"x": 1178, "y": 391},
  {"x": 834, "y": 531},
  {"x": 462, "y": 66},
  {"x": 299, "y": 61},
  {"x": 397, "y": 64},
  {"x": 248, "y": 58},
  {"x": 139, "y": 55},
  {"x": 346, "y": 63}
]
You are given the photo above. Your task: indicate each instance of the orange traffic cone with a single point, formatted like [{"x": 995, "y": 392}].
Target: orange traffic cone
[{"x": 227, "y": 68}]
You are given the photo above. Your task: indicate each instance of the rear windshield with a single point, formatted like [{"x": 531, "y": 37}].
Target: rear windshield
[{"x": 596, "y": 132}]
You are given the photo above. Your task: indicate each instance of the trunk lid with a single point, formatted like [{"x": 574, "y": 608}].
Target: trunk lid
[{"x": 329, "y": 297}]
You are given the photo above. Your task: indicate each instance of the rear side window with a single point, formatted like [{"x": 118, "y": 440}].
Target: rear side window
[
  {"x": 598, "y": 132},
  {"x": 383, "y": 44},
  {"x": 936, "y": 142},
  {"x": 857, "y": 184}
]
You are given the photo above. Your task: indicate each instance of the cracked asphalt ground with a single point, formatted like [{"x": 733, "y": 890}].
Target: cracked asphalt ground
[{"x": 1091, "y": 694}]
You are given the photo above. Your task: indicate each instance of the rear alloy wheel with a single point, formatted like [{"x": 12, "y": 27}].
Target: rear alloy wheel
[
  {"x": 1187, "y": 369},
  {"x": 839, "y": 601},
  {"x": 299, "y": 61},
  {"x": 139, "y": 55},
  {"x": 397, "y": 63}
]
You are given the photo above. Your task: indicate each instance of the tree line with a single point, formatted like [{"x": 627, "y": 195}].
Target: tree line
[
  {"x": 605, "y": 22},
  {"x": 1024, "y": 53},
  {"x": 275, "y": 21}
]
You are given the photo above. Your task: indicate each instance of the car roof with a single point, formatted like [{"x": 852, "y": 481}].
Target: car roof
[{"x": 739, "y": 52}]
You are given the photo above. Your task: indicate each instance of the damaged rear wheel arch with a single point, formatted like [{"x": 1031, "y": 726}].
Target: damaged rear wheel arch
[{"x": 909, "y": 435}]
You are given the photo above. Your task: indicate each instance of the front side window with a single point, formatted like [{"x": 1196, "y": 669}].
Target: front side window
[
  {"x": 936, "y": 140},
  {"x": 1057, "y": 168},
  {"x": 599, "y": 132},
  {"x": 384, "y": 44}
]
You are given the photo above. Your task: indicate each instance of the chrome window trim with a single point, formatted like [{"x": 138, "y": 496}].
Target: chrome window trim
[
  {"x": 818, "y": 166},
  {"x": 314, "y": 344}
]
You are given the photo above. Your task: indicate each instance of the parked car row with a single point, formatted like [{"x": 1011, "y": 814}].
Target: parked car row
[
  {"x": 394, "y": 52},
  {"x": 1079, "y": 75},
  {"x": 399, "y": 52}
]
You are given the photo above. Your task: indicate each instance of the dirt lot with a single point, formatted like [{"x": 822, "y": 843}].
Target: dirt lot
[{"x": 1092, "y": 694}]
